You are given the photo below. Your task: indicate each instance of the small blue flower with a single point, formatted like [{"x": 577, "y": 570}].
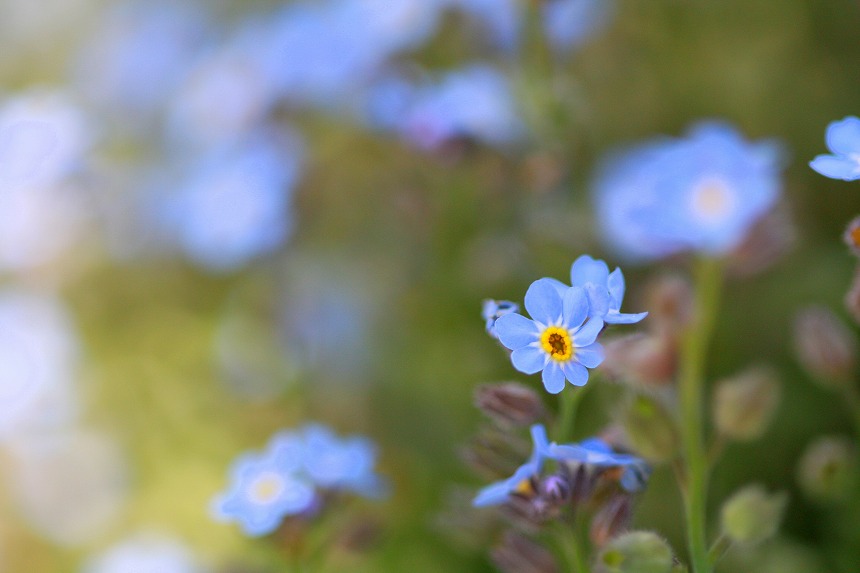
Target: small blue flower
[
  {"x": 495, "y": 309},
  {"x": 605, "y": 290},
  {"x": 497, "y": 493},
  {"x": 597, "y": 453},
  {"x": 264, "y": 490},
  {"x": 843, "y": 140},
  {"x": 341, "y": 463},
  {"x": 560, "y": 338},
  {"x": 570, "y": 23}
]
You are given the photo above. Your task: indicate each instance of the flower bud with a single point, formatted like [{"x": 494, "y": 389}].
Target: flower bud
[
  {"x": 647, "y": 360},
  {"x": 636, "y": 552},
  {"x": 519, "y": 554},
  {"x": 752, "y": 515},
  {"x": 827, "y": 469},
  {"x": 612, "y": 517},
  {"x": 852, "y": 297},
  {"x": 510, "y": 404},
  {"x": 670, "y": 303},
  {"x": 556, "y": 489},
  {"x": 650, "y": 428},
  {"x": 745, "y": 404},
  {"x": 826, "y": 347},
  {"x": 771, "y": 238},
  {"x": 851, "y": 236}
]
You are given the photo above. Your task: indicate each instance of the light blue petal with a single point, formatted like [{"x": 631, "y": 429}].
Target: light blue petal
[
  {"x": 622, "y": 318},
  {"x": 590, "y": 356},
  {"x": 543, "y": 301},
  {"x": 568, "y": 452},
  {"x": 576, "y": 373},
  {"x": 575, "y": 307},
  {"x": 616, "y": 289},
  {"x": 515, "y": 330},
  {"x": 588, "y": 333},
  {"x": 553, "y": 378},
  {"x": 587, "y": 270},
  {"x": 493, "y": 494},
  {"x": 528, "y": 359},
  {"x": 560, "y": 287},
  {"x": 843, "y": 137},
  {"x": 596, "y": 445},
  {"x": 598, "y": 300},
  {"x": 540, "y": 441},
  {"x": 836, "y": 167}
]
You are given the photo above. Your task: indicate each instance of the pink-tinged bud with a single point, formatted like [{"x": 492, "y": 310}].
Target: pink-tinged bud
[
  {"x": 852, "y": 297},
  {"x": 827, "y": 471},
  {"x": 670, "y": 304},
  {"x": 510, "y": 404},
  {"x": 641, "y": 359},
  {"x": 744, "y": 405},
  {"x": 519, "y": 554},
  {"x": 770, "y": 239},
  {"x": 612, "y": 518},
  {"x": 825, "y": 347},
  {"x": 852, "y": 236}
]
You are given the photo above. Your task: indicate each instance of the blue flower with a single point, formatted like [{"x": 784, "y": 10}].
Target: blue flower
[
  {"x": 843, "y": 140},
  {"x": 495, "y": 309},
  {"x": 264, "y": 490},
  {"x": 341, "y": 463},
  {"x": 560, "y": 338},
  {"x": 597, "y": 453},
  {"x": 702, "y": 193},
  {"x": 570, "y": 23},
  {"x": 605, "y": 290},
  {"x": 520, "y": 482}
]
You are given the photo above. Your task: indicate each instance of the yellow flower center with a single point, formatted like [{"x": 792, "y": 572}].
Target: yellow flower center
[
  {"x": 266, "y": 488},
  {"x": 556, "y": 342}
]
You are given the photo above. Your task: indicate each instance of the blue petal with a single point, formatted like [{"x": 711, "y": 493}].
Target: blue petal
[
  {"x": 596, "y": 445},
  {"x": 515, "y": 330},
  {"x": 544, "y": 302},
  {"x": 616, "y": 289},
  {"x": 576, "y": 373},
  {"x": 836, "y": 167},
  {"x": 493, "y": 494},
  {"x": 568, "y": 452},
  {"x": 575, "y": 307},
  {"x": 588, "y": 333},
  {"x": 590, "y": 356},
  {"x": 528, "y": 359},
  {"x": 553, "y": 378},
  {"x": 540, "y": 441},
  {"x": 623, "y": 318},
  {"x": 560, "y": 287},
  {"x": 843, "y": 137},
  {"x": 587, "y": 270}
]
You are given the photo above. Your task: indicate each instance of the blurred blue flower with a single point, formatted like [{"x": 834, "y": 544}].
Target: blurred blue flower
[
  {"x": 520, "y": 482},
  {"x": 605, "y": 290},
  {"x": 501, "y": 19},
  {"x": 473, "y": 102},
  {"x": 341, "y": 463},
  {"x": 145, "y": 553},
  {"x": 560, "y": 338},
  {"x": 265, "y": 488},
  {"x": 234, "y": 206},
  {"x": 599, "y": 454},
  {"x": 495, "y": 309},
  {"x": 843, "y": 140},
  {"x": 570, "y": 23},
  {"x": 702, "y": 192}
]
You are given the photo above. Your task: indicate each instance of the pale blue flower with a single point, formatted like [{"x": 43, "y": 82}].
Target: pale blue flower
[
  {"x": 497, "y": 493},
  {"x": 492, "y": 310},
  {"x": 559, "y": 339},
  {"x": 702, "y": 192},
  {"x": 605, "y": 290},
  {"x": 843, "y": 140},
  {"x": 597, "y": 453},
  {"x": 570, "y": 23},
  {"x": 338, "y": 463}
]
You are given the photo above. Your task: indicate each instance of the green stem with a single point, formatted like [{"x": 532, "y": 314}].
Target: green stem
[
  {"x": 719, "y": 548},
  {"x": 570, "y": 399},
  {"x": 691, "y": 389},
  {"x": 571, "y": 550}
]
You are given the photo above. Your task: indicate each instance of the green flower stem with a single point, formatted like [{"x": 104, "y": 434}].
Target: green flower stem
[
  {"x": 567, "y": 536},
  {"x": 570, "y": 399},
  {"x": 691, "y": 390},
  {"x": 719, "y": 548}
]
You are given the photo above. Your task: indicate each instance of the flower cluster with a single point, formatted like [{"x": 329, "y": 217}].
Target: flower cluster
[
  {"x": 560, "y": 339},
  {"x": 843, "y": 140},
  {"x": 702, "y": 192},
  {"x": 292, "y": 476}
]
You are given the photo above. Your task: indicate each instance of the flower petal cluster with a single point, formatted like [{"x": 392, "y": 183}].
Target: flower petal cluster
[
  {"x": 702, "y": 192},
  {"x": 559, "y": 340},
  {"x": 605, "y": 290},
  {"x": 493, "y": 310},
  {"x": 593, "y": 452},
  {"x": 843, "y": 140},
  {"x": 291, "y": 474}
]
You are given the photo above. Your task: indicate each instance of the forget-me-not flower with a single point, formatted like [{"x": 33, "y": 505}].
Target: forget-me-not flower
[
  {"x": 559, "y": 339},
  {"x": 597, "y": 453},
  {"x": 520, "y": 482},
  {"x": 702, "y": 192},
  {"x": 605, "y": 290},
  {"x": 843, "y": 140},
  {"x": 493, "y": 310},
  {"x": 341, "y": 463}
]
